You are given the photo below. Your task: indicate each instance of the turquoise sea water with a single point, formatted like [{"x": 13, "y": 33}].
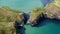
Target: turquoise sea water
[
  {"x": 23, "y": 5},
  {"x": 49, "y": 27}
]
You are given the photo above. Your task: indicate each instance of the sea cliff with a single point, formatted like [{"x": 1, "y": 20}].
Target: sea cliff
[{"x": 50, "y": 11}]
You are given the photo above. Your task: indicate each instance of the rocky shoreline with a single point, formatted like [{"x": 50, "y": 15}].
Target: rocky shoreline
[{"x": 50, "y": 11}]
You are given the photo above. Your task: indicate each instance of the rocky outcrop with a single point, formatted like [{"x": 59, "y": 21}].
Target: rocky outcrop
[
  {"x": 7, "y": 20},
  {"x": 50, "y": 11},
  {"x": 35, "y": 16}
]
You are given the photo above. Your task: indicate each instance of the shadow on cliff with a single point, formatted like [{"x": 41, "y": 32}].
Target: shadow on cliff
[
  {"x": 55, "y": 21},
  {"x": 45, "y": 21},
  {"x": 26, "y": 17},
  {"x": 20, "y": 31}
]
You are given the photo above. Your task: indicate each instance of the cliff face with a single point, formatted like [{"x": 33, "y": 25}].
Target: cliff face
[
  {"x": 7, "y": 18},
  {"x": 35, "y": 15},
  {"x": 51, "y": 11}
]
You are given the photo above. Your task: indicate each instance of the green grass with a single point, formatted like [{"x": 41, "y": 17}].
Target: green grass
[
  {"x": 57, "y": 3},
  {"x": 6, "y": 27},
  {"x": 8, "y": 14}
]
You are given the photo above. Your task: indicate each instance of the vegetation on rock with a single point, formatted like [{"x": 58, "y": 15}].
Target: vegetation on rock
[
  {"x": 7, "y": 14},
  {"x": 57, "y": 3},
  {"x": 7, "y": 19},
  {"x": 51, "y": 10}
]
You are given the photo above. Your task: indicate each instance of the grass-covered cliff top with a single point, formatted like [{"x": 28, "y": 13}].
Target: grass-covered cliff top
[
  {"x": 7, "y": 14},
  {"x": 7, "y": 18},
  {"x": 57, "y": 3},
  {"x": 52, "y": 8},
  {"x": 36, "y": 12}
]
